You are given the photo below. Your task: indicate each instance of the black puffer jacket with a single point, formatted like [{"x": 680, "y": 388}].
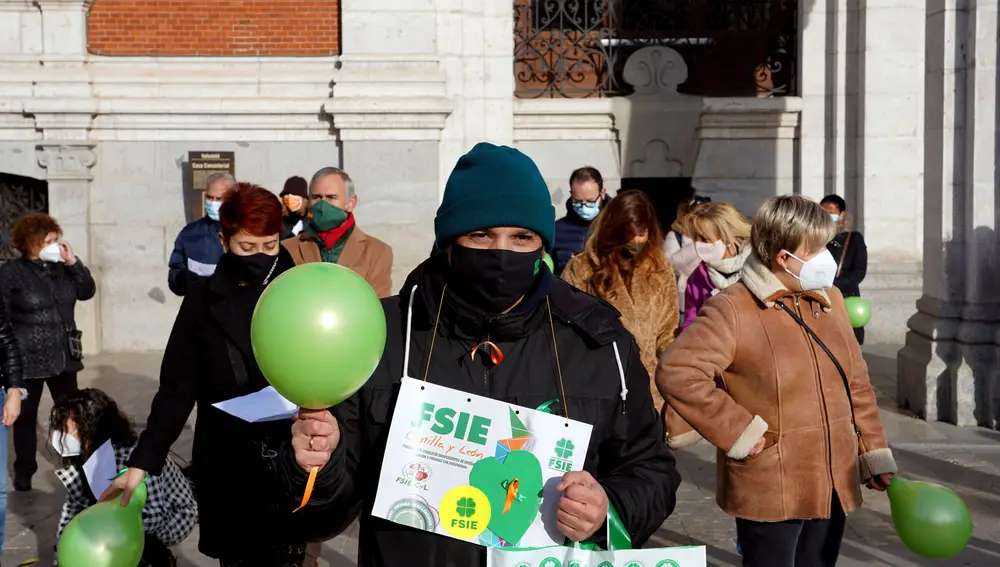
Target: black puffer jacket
[
  {"x": 28, "y": 287},
  {"x": 11, "y": 366},
  {"x": 627, "y": 454}
]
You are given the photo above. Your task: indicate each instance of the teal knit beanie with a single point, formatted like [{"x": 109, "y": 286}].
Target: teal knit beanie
[{"x": 494, "y": 186}]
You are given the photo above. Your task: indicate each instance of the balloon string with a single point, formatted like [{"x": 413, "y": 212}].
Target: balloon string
[{"x": 313, "y": 472}]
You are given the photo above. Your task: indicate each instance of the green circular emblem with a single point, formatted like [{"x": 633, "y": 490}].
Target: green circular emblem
[
  {"x": 633, "y": 564},
  {"x": 606, "y": 564},
  {"x": 668, "y": 563},
  {"x": 523, "y": 564},
  {"x": 576, "y": 563},
  {"x": 412, "y": 513},
  {"x": 550, "y": 562}
]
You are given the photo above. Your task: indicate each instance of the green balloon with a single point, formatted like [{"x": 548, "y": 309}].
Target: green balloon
[
  {"x": 930, "y": 519},
  {"x": 548, "y": 262},
  {"x": 859, "y": 312},
  {"x": 105, "y": 535},
  {"x": 318, "y": 332}
]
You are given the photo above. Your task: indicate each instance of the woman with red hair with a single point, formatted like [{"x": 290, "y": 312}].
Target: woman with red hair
[{"x": 209, "y": 359}]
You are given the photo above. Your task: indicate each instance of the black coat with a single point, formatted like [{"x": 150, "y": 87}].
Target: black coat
[
  {"x": 855, "y": 266},
  {"x": 627, "y": 453},
  {"x": 11, "y": 365},
  {"x": 209, "y": 359},
  {"x": 41, "y": 298}
]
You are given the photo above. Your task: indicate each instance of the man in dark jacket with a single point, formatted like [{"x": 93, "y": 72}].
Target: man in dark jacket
[
  {"x": 197, "y": 249},
  {"x": 485, "y": 293},
  {"x": 587, "y": 198}
]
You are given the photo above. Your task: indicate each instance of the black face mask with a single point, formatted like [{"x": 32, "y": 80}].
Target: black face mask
[
  {"x": 493, "y": 280},
  {"x": 255, "y": 269}
]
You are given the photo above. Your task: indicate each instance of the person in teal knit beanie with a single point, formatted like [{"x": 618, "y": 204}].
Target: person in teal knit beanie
[
  {"x": 495, "y": 186},
  {"x": 486, "y": 316}
]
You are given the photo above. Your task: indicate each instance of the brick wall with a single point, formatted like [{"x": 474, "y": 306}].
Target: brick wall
[{"x": 214, "y": 27}]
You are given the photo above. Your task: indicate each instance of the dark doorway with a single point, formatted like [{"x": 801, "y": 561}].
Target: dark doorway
[
  {"x": 19, "y": 196},
  {"x": 664, "y": 192}
]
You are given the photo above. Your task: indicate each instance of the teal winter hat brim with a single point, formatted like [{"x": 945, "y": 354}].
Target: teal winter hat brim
[{"x": 495, "y": 186}]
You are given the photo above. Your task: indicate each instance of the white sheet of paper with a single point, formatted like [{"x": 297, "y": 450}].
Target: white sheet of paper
[
  {"x": 297, "y": 228},
  {"x": 101, "y": 469},
  {"x": 200, "y": 269},
  {"x": 265, "y": 405}
]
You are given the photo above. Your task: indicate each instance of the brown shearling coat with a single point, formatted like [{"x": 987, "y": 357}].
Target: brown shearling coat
[
  {"x": 648, "y": 308},
  {"x": 366, "y": 255},
  {"x": 778, "y": 384}
]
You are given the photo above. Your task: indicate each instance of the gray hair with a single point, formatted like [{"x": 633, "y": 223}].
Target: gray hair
[
  {"x": 333, "y": 171},
  {"x": 221, "y": 176}
]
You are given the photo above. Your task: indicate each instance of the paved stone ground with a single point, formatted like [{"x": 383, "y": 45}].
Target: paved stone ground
[{"x": 968, "y": 460}]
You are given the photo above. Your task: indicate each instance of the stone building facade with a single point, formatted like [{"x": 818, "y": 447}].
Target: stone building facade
[{"x": 891, "y": 103}]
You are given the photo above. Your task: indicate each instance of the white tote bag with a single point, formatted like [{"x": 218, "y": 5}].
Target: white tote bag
[{"x": 560, "y": 556}]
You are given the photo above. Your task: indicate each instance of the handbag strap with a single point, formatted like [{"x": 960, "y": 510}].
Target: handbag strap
[
  {"x": 826, "y": 349},
  {"x": 843, "y": 254}
]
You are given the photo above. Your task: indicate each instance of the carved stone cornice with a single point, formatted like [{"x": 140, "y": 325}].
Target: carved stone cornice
[{"x": 66, "y": 161}]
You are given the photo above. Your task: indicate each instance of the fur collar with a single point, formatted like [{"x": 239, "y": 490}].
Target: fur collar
[
  {"x": 767, "y": 288},
  {"x": 727, "y": 271}
]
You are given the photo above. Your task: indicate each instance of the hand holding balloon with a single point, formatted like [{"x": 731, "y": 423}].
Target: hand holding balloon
[
  {"x": 315, "y": 436},
  {"x": 124, "y": 484},
  {"x": 879, "y": 482}
]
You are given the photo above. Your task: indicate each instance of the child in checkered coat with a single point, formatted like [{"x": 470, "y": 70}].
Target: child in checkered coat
[{"x": 84, "y": 420}]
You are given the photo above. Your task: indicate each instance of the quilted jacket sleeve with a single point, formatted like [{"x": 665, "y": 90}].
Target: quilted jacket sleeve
[{"x": 11, "y": 364}]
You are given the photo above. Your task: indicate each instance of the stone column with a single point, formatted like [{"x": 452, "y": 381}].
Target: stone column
[
  {"x": 67, "y": 169},
  {"x": 948, "y": 369}
]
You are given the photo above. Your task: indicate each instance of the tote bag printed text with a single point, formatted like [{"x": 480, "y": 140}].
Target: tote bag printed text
[{"x": 575, "y": 557}]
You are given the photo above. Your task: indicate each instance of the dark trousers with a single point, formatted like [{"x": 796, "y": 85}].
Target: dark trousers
[
  {"x": 793, "y": 543},
  {"x": 860, "y": 334},
  {"x": 155, "y": 554},
  {"x": 280, "y": 556},
  {"x": 25, "y": 438}
]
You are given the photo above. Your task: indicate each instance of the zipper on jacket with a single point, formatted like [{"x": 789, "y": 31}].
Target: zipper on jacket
[
  {"x": 822, "y": 398},
  {"x": 484, "y": 350}
]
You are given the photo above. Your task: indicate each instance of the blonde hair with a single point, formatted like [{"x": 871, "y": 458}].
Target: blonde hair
[
  {"x": 788, "y": 222},
  {"x": 713, "y": 221}
]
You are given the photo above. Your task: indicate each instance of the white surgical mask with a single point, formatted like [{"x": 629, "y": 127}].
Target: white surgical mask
[
  {"x": 212, "y": 209},
  {"x": 65, "y": 444},
  {"x": 818, "y": 273},
  {"x": 710, "y": 252},
  {"x": 835, "y": 217},
  {"x": 51, "y": 253}
]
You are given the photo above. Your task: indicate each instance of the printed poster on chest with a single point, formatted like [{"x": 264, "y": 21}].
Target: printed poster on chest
[{"x": 476, "y": 469}]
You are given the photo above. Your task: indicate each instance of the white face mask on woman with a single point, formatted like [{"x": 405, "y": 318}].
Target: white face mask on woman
[
  {"x": 65, "y": 444},
  {"x": 51, "y": 253},
  {"x": 710, "y": 252},
  {"x": 818, "y": 273}
]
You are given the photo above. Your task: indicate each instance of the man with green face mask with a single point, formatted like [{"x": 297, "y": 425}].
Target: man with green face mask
[{"x": 330, "y": 235}]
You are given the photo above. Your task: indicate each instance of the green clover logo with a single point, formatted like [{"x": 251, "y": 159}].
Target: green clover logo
[
  {"x": 550, "y": 562},
  {"x": 668, "y": 563},
  {"x": 606, "y": 564},
  {"x": 564, "y": 449},
  {"x": 466, "y": 507},
  {"x": 633, "y": 564}
]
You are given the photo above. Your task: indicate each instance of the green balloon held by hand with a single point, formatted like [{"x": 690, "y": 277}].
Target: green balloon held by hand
[
  {"x": 318, "y": 333},
  {"x": 105, "y": 535},
  {"x": 930, "y": 519},
  {"x": 859, "y": 311}
]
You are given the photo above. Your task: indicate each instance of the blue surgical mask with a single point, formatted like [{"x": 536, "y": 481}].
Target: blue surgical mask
[
  {"x": 835, "y": 217},
  {"x": 587, "y": 211},
  {"x": 212, "y": 209}
]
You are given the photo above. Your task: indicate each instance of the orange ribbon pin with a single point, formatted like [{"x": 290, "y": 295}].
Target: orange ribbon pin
[{"x": 511, "y": 495}]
